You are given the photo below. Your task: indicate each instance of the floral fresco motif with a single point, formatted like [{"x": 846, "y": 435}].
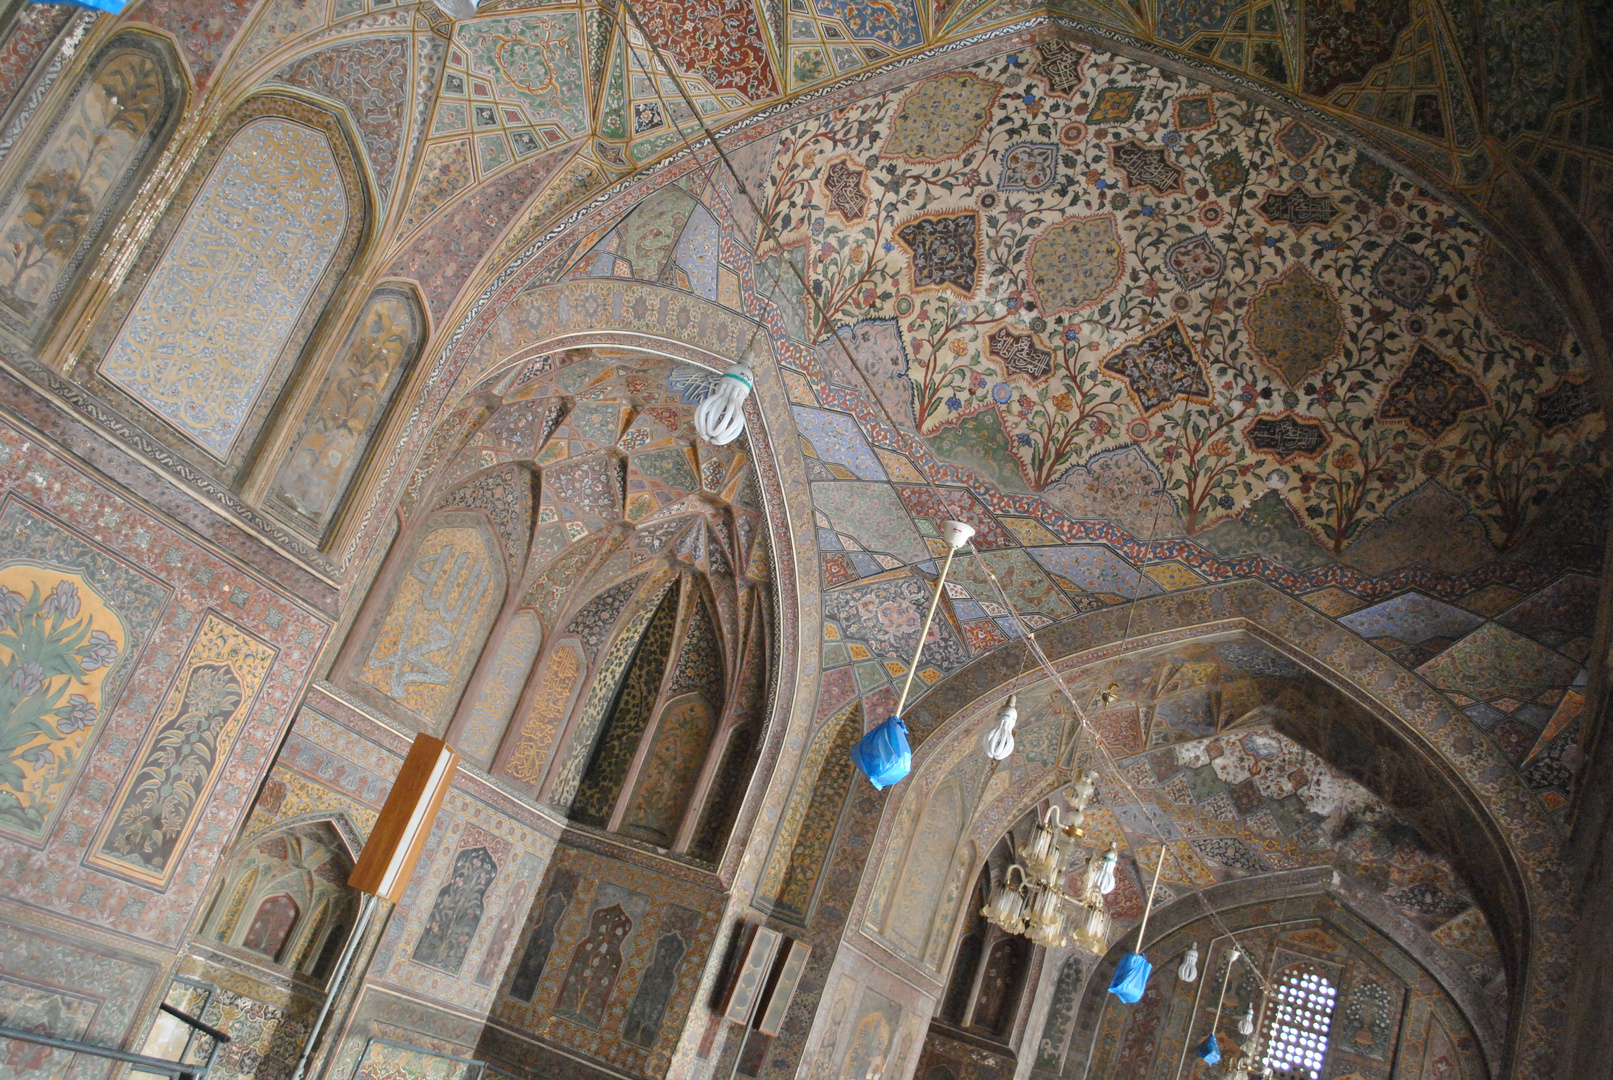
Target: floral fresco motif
[
  {"x": 66, "y": 657},
  {"x": 1074, "y": 265},
  {"x": 1403, "y": 275},
  {"x": 944, "y": 250},
  {"x": 53, "y": 215},
  {"x": 193, "y": 349},
  {"x": 457, "y": 913},
  {"x": 890, "y": 22},
  {"x": 1293, "y": 349},
  {"x": 718, "y": 40},
  {"x": 1160, "y": 367},
  {"x": 161, "y": 800},
  {"x": 1516, "y": 300},
  {"x": 367, "y": 77},
  {"x": 594, "y": 965},
  {"x": 1194, "y": 261},
  {"x": 535, "y": 62},
  {"x": 350, "y": 406},
  {"x": 1194, "y": 112},
  {"x": 1294, "y": 324},
  {"x": 1115, "y": 104},
  {"x": 941, "y": 117},
  {"x": 1029, "y": 167},
  {"x": 60, "y": 643},
  {"x": 1431, "y": 394}
]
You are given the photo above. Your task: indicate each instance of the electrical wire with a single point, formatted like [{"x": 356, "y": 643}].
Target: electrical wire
[
  {"x": 1025, "y": 631},
  {"x": 1100, "y": 745}
]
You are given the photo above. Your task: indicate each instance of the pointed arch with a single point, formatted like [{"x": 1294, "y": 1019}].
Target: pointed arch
[
  {"x": 64, "y": 192},
  {"x": 223, "y": 309}
]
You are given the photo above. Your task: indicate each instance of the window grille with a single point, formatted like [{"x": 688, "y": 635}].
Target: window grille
[{"x": 1296, "y": 1042}]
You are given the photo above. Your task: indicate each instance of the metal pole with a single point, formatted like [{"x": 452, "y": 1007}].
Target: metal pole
[
  {"x": 1150, "y": 905},
  {"x": 935, "y": 601},
  {"x": 366, "y": 911},
  {"x": 176, "y": 1069}
]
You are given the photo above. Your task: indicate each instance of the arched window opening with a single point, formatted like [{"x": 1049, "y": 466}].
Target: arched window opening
[
  {"x": 79, "y": 177},
  {"x": 1299, "y": 1023}
]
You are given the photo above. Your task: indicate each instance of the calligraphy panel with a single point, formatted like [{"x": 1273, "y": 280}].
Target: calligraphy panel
[
  {"x": 351, "y": 404},
  {"x": 442, "y": 606},
  {"x": 551, "y": 704},
  {"x": 160, "y": 801},
  {"x": 210, "y": 324}
]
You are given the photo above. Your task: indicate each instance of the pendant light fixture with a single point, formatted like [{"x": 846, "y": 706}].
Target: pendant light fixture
[
  {"x": 883, "y": 754},
  {"x": 1131, "y": 974}
]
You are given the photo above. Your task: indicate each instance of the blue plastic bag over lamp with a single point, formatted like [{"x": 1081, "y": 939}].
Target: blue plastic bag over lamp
[
  {"x": 1209, "y": 1050},
  {"x": 1131, "y": 974},
  {"x": 114, "y": 6},
  {"x": 1131, "y": 978},
  {"x": 883, "y": 754}
]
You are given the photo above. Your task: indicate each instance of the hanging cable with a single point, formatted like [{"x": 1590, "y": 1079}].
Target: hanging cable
[{"x": 823, "y": 317}]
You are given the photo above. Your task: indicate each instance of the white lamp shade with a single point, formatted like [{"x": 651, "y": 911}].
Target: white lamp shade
[{"x": 721, "y": 417}]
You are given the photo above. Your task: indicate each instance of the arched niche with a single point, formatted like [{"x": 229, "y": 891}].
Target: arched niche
[
  {"x": 1395, "y": 1002},
  {"x": 624, "y": 680},
  {"x": 446, "y": 581},
  {"x": 1437, "y": 787},
  {"x": 318, "y": 465},
  {"x": 223, "y": 307},
  {"x": 66, "y": 188},
  {"x": 283, "y": 899}
]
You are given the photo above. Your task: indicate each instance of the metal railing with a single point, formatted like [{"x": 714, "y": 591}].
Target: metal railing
[{"x": 175, "y": 1070}]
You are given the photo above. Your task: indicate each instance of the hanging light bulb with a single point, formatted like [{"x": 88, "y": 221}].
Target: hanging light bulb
[
  {"x": 1111, "y": 694},
  {"x": 1045, "y": 922},
  {"x": 1188, "y": 971},
  {"x": 721, "y": 417},
  {"x": 1246, "y": 1022},
  {"x": 999, "y": 741},
  {"x": 1106, "y": 870},
  {"x": 1083, "y": 787}
]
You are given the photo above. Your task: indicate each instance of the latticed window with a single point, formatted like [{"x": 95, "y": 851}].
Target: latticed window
[{"x": 1296, "y": 1043}]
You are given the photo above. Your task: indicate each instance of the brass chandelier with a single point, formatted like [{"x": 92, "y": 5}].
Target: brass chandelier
[{"x": 1036, "y": 907}]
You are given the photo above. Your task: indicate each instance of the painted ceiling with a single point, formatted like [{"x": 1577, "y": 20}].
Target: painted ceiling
[{"x": 527, "y": 108}]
